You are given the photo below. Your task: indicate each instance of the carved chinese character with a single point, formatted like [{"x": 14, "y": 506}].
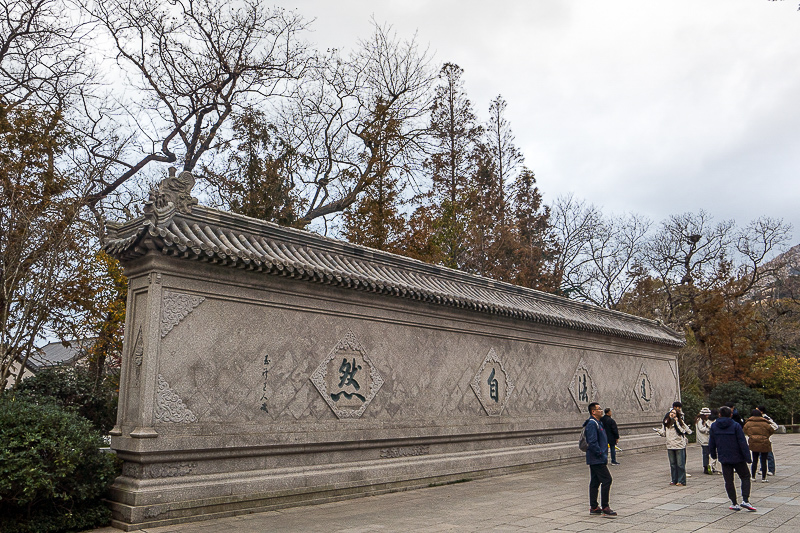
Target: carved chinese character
[{"x": 494, "y": 393}]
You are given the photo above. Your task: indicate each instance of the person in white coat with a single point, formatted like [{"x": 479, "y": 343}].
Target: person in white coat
[
  {"x": 675, "y": 430},
  {"x": 702, "y": 425}
]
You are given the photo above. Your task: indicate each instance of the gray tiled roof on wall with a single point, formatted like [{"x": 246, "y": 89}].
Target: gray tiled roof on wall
[{"x": 237, "y": 241}]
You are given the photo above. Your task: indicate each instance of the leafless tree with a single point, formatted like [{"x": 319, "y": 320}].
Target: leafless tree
[
  {"x": 615, "y": 250},
  {"x": 191, "y": 64},
  {"x": 42, "y": 57},
  {"x": 359, "y": 116},
  {"x": 690, "y": 251},
  {"x": 574, "y": 223}
]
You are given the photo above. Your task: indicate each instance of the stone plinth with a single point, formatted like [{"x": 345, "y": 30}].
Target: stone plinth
[{"x": 266, "y": 367}]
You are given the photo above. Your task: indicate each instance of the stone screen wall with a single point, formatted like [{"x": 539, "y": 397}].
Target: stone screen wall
[{"x": 247, "y": 385}]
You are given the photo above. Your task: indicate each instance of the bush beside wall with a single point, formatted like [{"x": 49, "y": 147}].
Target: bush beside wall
[{"x": 52, "y": 472}]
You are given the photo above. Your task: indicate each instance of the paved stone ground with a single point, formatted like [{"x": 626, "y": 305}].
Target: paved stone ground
[{"x": 550, "y": 499}]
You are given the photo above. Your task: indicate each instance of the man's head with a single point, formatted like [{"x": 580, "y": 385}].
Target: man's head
[
  {"x": 763, "y": 409},
  {"x": 677, "y": 405},
  {"x": 725, "y": 411},
  {"x": 607, "y": 411},
  {"x": 595, "y": 410}
]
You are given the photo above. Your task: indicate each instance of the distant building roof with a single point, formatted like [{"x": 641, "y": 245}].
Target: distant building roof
[{"x": 60, "y": 353}]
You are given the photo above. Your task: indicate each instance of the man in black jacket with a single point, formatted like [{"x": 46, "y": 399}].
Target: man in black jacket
[
  {"x": 612, "y": 431},
  {"x": 726, "y": 442}
]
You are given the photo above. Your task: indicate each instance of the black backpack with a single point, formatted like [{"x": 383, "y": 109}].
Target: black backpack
[{"x": 583, "y": 444}]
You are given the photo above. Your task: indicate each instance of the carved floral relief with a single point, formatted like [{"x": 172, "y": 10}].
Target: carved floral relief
[
  {"x": 175, "y": 307},
  {"x": 169, "y": 406}
]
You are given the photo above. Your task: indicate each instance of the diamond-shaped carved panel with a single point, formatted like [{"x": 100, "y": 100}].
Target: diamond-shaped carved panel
[
  {"x": 582, "y": 387},
  {"x": 347, "y": 379},
  {"x": 492, "y": 385},
  {"x": 643, "y": 390}
]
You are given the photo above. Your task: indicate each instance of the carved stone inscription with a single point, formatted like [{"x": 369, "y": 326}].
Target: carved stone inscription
[
  {"x": 643, "y": 389},
  {"x": 492, "y": 385},
  {"x": 169, "y": 470},
  {"x": 347, "y": 379},
  {"x": 582, "y": 387},
  {"x": 532, "y": 441},
  {"x": 405, "y": 451}
]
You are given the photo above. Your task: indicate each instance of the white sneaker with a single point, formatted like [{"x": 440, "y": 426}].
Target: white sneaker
[
  {"x": 688, "y": 475},
  {"x": 746, "y": 505},
  {"x": 770, "y": 473},
  {"x": 765, "y": 480},
  {"x": 735, "y": 507}
]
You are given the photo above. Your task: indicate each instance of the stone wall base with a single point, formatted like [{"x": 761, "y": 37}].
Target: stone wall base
[{"x": 138, "y": 504}]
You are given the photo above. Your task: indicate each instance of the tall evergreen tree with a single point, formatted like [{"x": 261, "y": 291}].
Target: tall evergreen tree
[
  {"x": 537, "y": 245},
  {"x": 375, "y": 220},
  {"x": 499, "y": 147},
  {"x": 454, "y": 133}
]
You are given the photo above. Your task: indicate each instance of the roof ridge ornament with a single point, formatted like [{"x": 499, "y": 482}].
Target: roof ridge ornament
[{"x": 173, "y": 193}]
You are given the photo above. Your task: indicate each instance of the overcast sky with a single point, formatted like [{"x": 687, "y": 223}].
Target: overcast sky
[{"x": 652, "y": 107}]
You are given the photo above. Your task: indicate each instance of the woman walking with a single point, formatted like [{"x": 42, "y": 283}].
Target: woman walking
[
  {"x": 758, "y": 430},
  {"x": 702, "y": 425},
  {"x": 676, "y": 431}
]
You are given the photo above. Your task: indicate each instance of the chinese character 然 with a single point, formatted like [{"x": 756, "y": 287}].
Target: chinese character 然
[
  {"x": 347, "y": 372},
  {"x": 583, "y": 392},
  {"x": 493, "y": 392},
  {"x": 644, "y": 390}
]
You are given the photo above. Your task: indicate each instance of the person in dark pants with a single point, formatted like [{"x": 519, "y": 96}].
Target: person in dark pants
[
  {"x": 770, "y": 455},
  {"x": 597, "y": 459},
  {"x": 727, "y": 441},
  {"x": 612, "y": 432}
]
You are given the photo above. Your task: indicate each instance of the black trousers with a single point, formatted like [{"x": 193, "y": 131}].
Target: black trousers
[
  {"x": 756, "y": 457},
  {"x": 744, "y": 475},
  {"x": 600, "y": 476}
]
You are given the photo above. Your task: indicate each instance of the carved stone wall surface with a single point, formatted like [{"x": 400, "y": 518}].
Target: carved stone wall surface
[
  {"x": 492, "y": 385},
  {"x": 176, "y": 307},
  {"x": 169, "y": 407},
  {"x": 582, "y": 387},
  {"x": 223, "y": 389},
  {"x": 347, "y": 379},
  {"x": 673, "y": 365}
]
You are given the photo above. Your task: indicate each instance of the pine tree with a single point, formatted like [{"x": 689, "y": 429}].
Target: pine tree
[
  {"x": 376, "y": 220},
  {"x": 455, "y": 134},
  {"x": 537, "y": 246}
]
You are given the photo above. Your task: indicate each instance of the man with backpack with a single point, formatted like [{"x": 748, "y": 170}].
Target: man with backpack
[{"x": 596, "y": 448}]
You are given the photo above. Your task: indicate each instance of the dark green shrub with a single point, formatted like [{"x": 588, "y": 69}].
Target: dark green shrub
[
  {"x": 52, "y": 473},
  {"x": 777, "y": 410},
  {"x": 692, "y": 403},
  {"x": 76, "y": 388},
  {"x": 745, "y": 398}
]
